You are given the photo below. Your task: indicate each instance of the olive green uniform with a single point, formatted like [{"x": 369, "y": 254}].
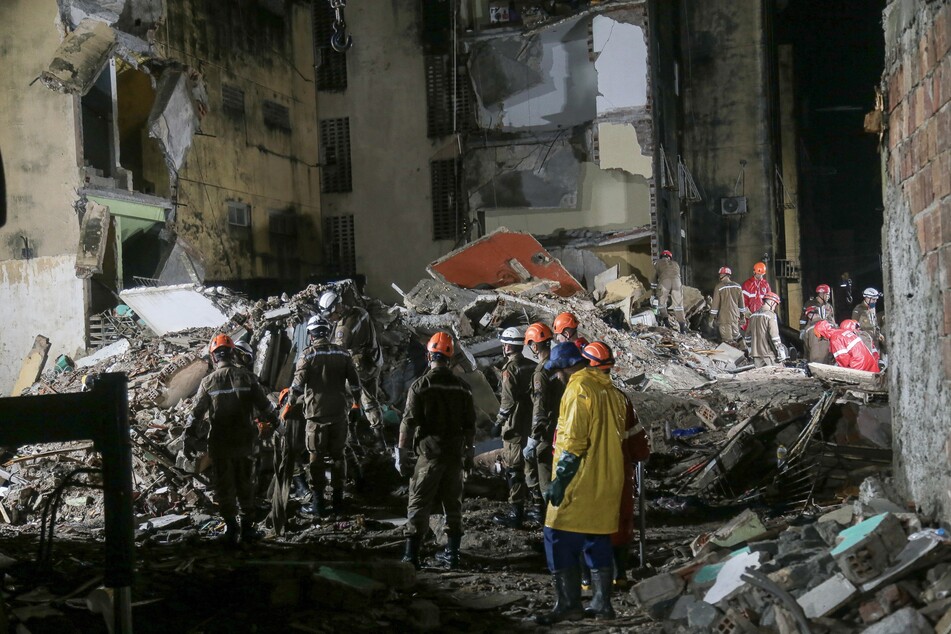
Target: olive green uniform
[
  {"x": 440, "y": 409},
  {"x": 667, "y": 280},
  {"x": 355, "y": 333},
  {"x": 868, "y": 319},
  {"x": 229, "y": 396},
  {"x": 815, "y": 350},
  {"x": 824, "y": 310},
  {"x": 766, "y": 348},
  {"x": 327, "y": 378},
  {"x": 515, "y": 412},
  {"x": 546, "y": 399},
  {"x": 728, "y": 308}
]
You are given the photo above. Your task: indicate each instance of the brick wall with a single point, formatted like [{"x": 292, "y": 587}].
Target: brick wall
[{"x": 917, "y": 245}]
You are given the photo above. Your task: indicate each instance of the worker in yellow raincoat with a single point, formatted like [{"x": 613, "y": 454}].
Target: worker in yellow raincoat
[{"x": 585, "y": 494}]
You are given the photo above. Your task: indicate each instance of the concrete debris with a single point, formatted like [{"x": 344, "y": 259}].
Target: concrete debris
[
  {"x": 175, "y": 116},
  {"x": 94, "y": 236},
  {"x": 170, "y": 309},
  {"x": 32, "y": 366},
  {"x": 79, "y": 59}
]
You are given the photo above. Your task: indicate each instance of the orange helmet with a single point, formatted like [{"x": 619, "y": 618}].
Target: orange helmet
[
  {"x": 599, "y": 355},
  {"x": 221, "y": 340},
  {"x": 440, "y": 343},
  {"x": 759, "y": 268},
  {"x": 564, "y": 320},
  {"x": 538, "y": 332},
  {"x": 849, "y": 324},
  {"x": 773, "y": 297}
]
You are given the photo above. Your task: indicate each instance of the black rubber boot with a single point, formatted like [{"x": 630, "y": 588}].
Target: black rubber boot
[
  {"x": 450, "y": 556},
  {"x": 336, "y": 504},
  {"x": 249, "y": 534},
  {"x": 683, "y": 326},
  {"x": 411, "y": 554},
  {"x": 585, "y": 576},
  {"x": 232, "y": 532},
  {"x": 567, "y": 598},
  {"x": 621, "y": 581},
  {"x": 515, "y": 518},
  {"x": 602, "y": 580},
  {"x": 317, "y": 506}
]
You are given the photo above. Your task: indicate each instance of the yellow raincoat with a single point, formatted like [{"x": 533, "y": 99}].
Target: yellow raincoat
[{"x": 591, "y": 425}]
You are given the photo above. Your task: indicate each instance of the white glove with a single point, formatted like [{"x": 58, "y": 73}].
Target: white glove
[
  {"x": 403, "y": 461},
  {"x": 529, "y": 452}
]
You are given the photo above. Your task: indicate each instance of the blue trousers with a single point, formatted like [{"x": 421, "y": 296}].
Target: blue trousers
[{"x": 564, "y": 549}]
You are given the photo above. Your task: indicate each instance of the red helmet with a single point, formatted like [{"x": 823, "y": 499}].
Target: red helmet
[
  {"x": 599, "y": 355},
  {"x": 564, "y": 320},
  {"x": 666, "y": 254},
  {"x": 822, "y": 329},
  {"x": 725, "y": 270},
  {"x": 772, "y": 296},
  {"x": 440, "y": 343},
  {"x": 538, "y": 332},
  {"x": 823, "y": 288},
  {"x": 221, "y": 340},
  {"x": 759, "y": 268},
  {"x": 849, "y": 324}
]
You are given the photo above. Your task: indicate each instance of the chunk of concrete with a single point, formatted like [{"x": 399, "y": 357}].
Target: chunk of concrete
[
  {"x": 93, "y": 238},
  {"x": 702, "y": 615},
  {"x": 32, "y": 365},
  {"x": 727, "y": 354},
  {"x": 827, "y": 597},
  {"x": 866, "y": 549},
  {"x": 657, "y": 593},
  {"x": 627, "y": 288},
  {"x": 745, "y": 527},
  {"x": 78, "y": 60},
  {"x": 905, "y": 621}
]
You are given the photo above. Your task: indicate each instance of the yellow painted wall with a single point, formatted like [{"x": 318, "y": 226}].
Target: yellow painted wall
[
  {"x": 631, "y": 260},
  {"x": 794, "y": 299},
  {"x": 239, "y": 158}
]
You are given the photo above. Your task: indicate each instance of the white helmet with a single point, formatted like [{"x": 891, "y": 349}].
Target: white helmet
[
  {"x": 328, "y": 302},
  {"x": 318, "y": 327},
  {"x": 513, "y": 336},
  {"x": 871, "y": 293},
  {"x": 244, "y": 347}
]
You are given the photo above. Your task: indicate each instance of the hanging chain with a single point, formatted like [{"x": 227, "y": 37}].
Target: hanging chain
[{"x": 340, "y": 41}]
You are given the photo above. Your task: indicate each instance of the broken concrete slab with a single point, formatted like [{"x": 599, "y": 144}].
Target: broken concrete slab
[
  {"x": 727, "y": 354},
  {"x": 179, "y": 380},
  {"x": 905, "y": 621},
  {"x": 112, "y": 350},
  {"x": 174, "y": 118},
  {"x": 827, "y": 597},
  {"x": 168, "y": 309},
  {"x": 80, "y": 58},
  {"x": 32, "y": 365},
  {"x": 93, "y": 238},
  {"x": 865, "y": 381},
  {"x": 434, "y": 297},
  {"x": 488, "y": 262},
  {"x": 601, "y": 280},
  {"x": 657, "y": 593},
  {"x": 865, "y": 550},
  {"x": 623, "y": 289},
  {"x": 745, "y": 527}
]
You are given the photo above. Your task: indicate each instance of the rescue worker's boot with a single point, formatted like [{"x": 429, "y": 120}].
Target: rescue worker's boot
[
  {"x": 567, "y": 598},
  {"x": 683, "y": 326},
  {"x": 301, "y": 489},
  {"x": 249, "y": 534},
  {"x": 336, "y": 504},
  {"x": 232, "y": 532},
  {"x": 411, "y": 554},
  {"x": 317, "y": 506},
  {"x": 602, "y": 580},
  {"x": 621, "y": 581},
  {"x": 536, "y": 512},
  {"x": 515, "y": 518},
  {"x": 585, "y": 576},
  {"x": 450, "y": 556}
]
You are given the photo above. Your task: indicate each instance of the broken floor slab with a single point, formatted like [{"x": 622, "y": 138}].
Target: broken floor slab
[
  {"x": 32, "y": 366},
  {"x": 93, "y": 238},
  {"x": 80, "y": 58},
  {"x": 175, "y": 116},
  {"x": 167, "y": 309}
]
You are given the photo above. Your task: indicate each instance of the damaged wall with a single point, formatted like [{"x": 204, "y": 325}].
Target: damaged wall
[
  {"x": 917, "y": 246},
  {"x": 264, "y": 63},
  {"x": 39, "y": 291}
]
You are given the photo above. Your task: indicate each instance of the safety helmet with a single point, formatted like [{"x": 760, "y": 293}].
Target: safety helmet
[
  {"x": 318, "y": 326},
  {"x": 220, "y": 341},
  {"x": 666, "y": 254},
  {"x": 823, "y": 328},
  {"x": 512, "y": 336},
  {"x": 244, "y": 347},
  {"x": 871, "y": 293},
  {"x": 538, "y": 332},
  {"x": 564, "y": 320},
  {"x": 725, "y": 270},
  {"x": 849, "y": 324},
  {"x": 772, "y": 296},
  {"x": 440, "y": 343},
  {"x": 599, "y": 355},
  {"x": 759, "y": 268},
  {"x": 823, "y": 288},
  {"x": 282, "y": 397},
  {"x": 328, "y": 301}
]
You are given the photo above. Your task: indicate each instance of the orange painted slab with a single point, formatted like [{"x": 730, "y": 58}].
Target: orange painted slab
[{"x": 501, "y": 258}]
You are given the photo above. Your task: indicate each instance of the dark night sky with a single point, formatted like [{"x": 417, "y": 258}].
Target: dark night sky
[{"x": 839, "y": 57}]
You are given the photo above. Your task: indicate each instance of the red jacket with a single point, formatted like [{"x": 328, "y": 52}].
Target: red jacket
[
  {"x": 753, "y": 291},
  {"x": 851, "y": 352},
  {"x": 636, "y": 448}
]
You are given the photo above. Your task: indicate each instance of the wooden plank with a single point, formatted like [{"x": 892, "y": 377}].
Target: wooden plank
[{"x": 33, "y": 365}]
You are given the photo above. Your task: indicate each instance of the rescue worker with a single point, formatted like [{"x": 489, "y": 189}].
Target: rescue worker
[
  {"x": 865, "y": 314},
  {"x": 326, "y": 379},
  {"x": 584, "y": 496},
  {"x": 815, "y": 349},
  {"x": 851, "y": 324},
  {"x": 244, "y": 355},
  {"x": 439, "y": 427},
  {"x": 635, "y": 447},
  {"x": 767, "y": 348},
  {"x": 229, "y": 395},
  {"x": 822, "y": 305},
  {"x": 728, "y": 308},
  {"x": 565, "y": 328},
  {"x": 755, "y": 288},
  {"x": 514, "y": 424},
  {"x": 546, "y": 396},
  {"x": 354, "y": 332},
  {"x": 667, "y": 280},
  {"x": 847, "y": 348}
]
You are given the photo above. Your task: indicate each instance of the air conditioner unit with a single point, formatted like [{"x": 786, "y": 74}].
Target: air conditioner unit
[{"x": 733, "y": 206}]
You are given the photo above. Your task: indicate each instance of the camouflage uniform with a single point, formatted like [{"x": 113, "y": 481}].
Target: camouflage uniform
[
  {"x": 515, "y": 412},
  {"x": 667, "y": 279},
  {"x": 728, "y": 308},
  {"x": 439, "y": 407},
  {"x": 546, "y": 399},
  {"x": 767, "y": 348},
  {"x": 355, "y": 333}
]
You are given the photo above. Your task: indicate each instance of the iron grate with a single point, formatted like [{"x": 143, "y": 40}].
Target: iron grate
[
  {"x": 232, "y": 100},
  {"x": 277, "y": 116},
  {"x": 335, "y": 173},
  {"x": 444, "y": 188},
  {"x": 439, "y": 101},
  {"x": 330, "y": 66},
  {"x": 340, "y": 244}
]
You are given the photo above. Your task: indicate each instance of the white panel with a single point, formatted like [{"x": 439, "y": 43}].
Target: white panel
[{"x": 168, "y": 309}]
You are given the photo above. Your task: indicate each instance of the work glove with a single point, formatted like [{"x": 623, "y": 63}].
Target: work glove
[
  {"x": 468, "y": 459},
  {"x": 497, "y": 428},
  {"x": 403, "y": 461},
  {"x": 567, "y": 468},
  {"x": 529, "y": 451}
]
